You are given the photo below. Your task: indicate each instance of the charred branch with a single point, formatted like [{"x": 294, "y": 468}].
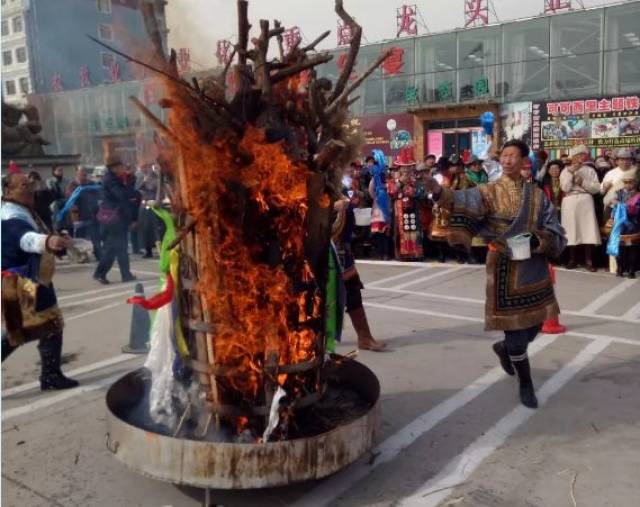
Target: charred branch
[
  {"x": 277, "y": 24},
  {"x": 356, "y": 31},
  {"x": 316, "y": 41},
  {"x": 299, "y": 67}
]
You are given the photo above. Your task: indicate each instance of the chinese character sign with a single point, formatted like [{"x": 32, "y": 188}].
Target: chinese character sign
[
  {"x": 411, "y": 94},
  {"x": 551, "y": 6},
  {"x": 291, "y": 38},
  {"x": 341, "y": 63},
  {"x": 114, "y": 71},
  {"x": 56, "y": 82},
  {"x": 476, "y": 13},
  {"x": 605, "y": 122},
  {"x": 406, "y": 20},
  {"x": 345, "y": 34},
  {"x": 393, "y": 64},
  {"x": 85, "y": 78},
  {"x": 184, "y": 60},
  {"x": 223, "y": 51}
]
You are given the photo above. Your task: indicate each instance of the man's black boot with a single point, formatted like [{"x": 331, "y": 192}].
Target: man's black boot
[
  {"x": 52, "y": 377},
  {"x": 527, "y": 393},
  {"x": 505, "y": 362},
  {"x": 7, "y": 348}
]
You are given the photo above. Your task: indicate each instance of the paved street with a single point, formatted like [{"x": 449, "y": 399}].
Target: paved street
[{"x": 453, "y": 432}]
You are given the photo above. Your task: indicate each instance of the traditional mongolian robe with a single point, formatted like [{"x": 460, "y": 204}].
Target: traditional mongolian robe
[
  {"x": 29, "y": 306},
  {"x": 578, "y": 210},
  {"x": 520, "y": 294},
  {"x": 407, "y": 231}
]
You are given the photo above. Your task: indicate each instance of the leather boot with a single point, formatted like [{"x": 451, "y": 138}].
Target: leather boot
[
  {"x": 588, "y": 258},
  {"x": 7, "y": 348},
  {"x": 573, "y": 257},
  {"x": 527, "y": 393},
  {"x": 51, "y": 377},
  {"x": 360, "y": 324},
  {"x": 505, "y": 362}
]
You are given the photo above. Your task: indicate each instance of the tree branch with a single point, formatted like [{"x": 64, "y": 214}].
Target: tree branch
[
  {"x": 299, "y": 67},
  {"x": 356, "y": 31},
  {"x": 316, "y": 41}
]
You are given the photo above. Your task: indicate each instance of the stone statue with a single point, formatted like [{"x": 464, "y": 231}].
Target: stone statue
[{"x": 21, "y": 129}]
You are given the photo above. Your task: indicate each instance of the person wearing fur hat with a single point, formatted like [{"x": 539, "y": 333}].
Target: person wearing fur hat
[
  {"x": 407, "y": 231},
  {"x": 624, "y": 162},
  {"x": 30, "y": 309},
  {"x": 579, "y": 182}
]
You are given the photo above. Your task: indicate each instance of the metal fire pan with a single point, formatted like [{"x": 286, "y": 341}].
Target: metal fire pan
[{"x": 238, "y": 466}]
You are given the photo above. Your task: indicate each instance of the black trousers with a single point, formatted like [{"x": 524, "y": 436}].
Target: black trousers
[
  {"x": 628, "y": 259},
  {"x": 115, "y": 247},
  {"x": 517, "y": 342}
]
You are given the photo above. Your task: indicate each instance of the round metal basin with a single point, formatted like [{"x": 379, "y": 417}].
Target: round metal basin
[{"x": 236, "y": 465}]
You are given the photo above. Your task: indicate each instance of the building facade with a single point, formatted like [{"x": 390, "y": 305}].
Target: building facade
[
  {"x": 554, "y": 80},
  {"x": 16, "y": 75}
]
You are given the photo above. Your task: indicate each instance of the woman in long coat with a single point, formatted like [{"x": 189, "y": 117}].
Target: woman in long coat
[{"x": 579, "y": 182}]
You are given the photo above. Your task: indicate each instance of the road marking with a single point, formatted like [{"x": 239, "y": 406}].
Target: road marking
[
  {"x": 11, "y": 391},
  {"x": 100, "y": 298},
  {"x": 633, "y": 312},
  {"x": 396, "y": 277},
  {"x": 460, "y": 299},
  {"x": 460, "y": 468},
  {"x": 58, "y": 398},
  {"x": 91, "y": 312},
  {"x": 442, "y": 272},
  {"x": 423, "y": 312},
  {"x": 100, "y": 291},
  {"x": 603, "y": 299},
  {"x": 332, "y": 488}
]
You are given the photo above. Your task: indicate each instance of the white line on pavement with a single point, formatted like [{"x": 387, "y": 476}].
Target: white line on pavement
[
  {"x": 442, "y": 272},
  {"x": 128, "y": 292},
  {"x": 603, "y": 299},
  {"x": 633, "y": 312},
  {"x": 396, "y": 277},
  {"x": 332, "y": 488},
  {"x": 91, "y": 312},
  {"x": 58, "y": 398},
  {"x": 100, "y": 291},
  {"x": 616, "y": 339},
  {"x": 460, "y": 468},
  {"x": 11, "y": 391},
  {"x": 598, "y": 316}
]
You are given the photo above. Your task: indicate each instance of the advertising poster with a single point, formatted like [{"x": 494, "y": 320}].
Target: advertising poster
[
  {"x": 434, "y": 143},
  {"x": 608, "y": 122},
  {"x": 516, "y": 121},
  {"x": 377, "y": 135}
]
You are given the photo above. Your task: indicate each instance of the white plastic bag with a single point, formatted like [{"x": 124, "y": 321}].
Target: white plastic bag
[{"x": 164, "y": 388}]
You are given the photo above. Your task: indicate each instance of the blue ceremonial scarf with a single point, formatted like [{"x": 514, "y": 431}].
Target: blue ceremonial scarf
[
  {"x": 619, "y": 219},
  {"x": 382, "y": 198},
  {"x": 73, "y": 198}
]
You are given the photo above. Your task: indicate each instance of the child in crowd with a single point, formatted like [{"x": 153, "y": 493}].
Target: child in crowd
[{"x": 628, "y": 259}]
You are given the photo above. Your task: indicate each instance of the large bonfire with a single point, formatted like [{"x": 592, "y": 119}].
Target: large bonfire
[{"x": 253, "y": 174}]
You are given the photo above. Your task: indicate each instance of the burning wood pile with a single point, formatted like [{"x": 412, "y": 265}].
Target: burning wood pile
[{"x": 253, "y": 174}]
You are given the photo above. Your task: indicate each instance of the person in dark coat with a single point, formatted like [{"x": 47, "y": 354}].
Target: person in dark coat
[
  {"x": 57, "y": 184},
  {"x": 147, "y": 185},
  {"x": 85, "y": 210},
  {"x": 116, "y": 216}
]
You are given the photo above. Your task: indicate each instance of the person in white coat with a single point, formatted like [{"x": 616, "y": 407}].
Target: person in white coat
[
  {"x": 579, "y": 182},
  {"x": 612, "y": 181}
]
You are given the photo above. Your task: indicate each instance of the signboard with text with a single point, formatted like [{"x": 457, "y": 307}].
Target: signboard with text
[
  {"x": 596, "y": 122},
  {"x": 377, "y": 135}
]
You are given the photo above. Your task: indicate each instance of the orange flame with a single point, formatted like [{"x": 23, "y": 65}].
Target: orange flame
[{"x": 250, "y": 224}]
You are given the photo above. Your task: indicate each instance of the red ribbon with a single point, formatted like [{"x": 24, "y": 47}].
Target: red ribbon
[{"x": 158, "y": 300}]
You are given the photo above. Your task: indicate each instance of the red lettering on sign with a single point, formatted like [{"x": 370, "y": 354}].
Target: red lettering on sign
[
  {"x": 577, "y": 106},
  {"x": 591, "y": 106},
  {"x": 617, "y": 103},
  {"x": 604, "y": 106},
  {"x": 631, "y": 103},
  {"x": 393, "y": 64}
]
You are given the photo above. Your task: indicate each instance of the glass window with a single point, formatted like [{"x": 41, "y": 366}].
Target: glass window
[
  {"x": 105, "y": 31},
  {"x": 10, "y": 86},
  {"x": 526, "y": 57},
  {"x": 24, "y": 85},
  {"x": 479, "y": 63},
  {"x": 5, "y": 27},
  {"x": 17, "y": 24},
  {"x": 7, "y": 57},
  {"x": 106, "y": 59},
  {"x": 575, "y": 54},
  {"x": 21, "y": 55},
  {"x": 437, "y": 87},
  {"x": 622, "y": 49},
  {"x": 436, "y": 53},
  {"x": 372, "y": 96},
  {"x": 398, "y": 74},
  {"x": 104, "y": 6}
]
